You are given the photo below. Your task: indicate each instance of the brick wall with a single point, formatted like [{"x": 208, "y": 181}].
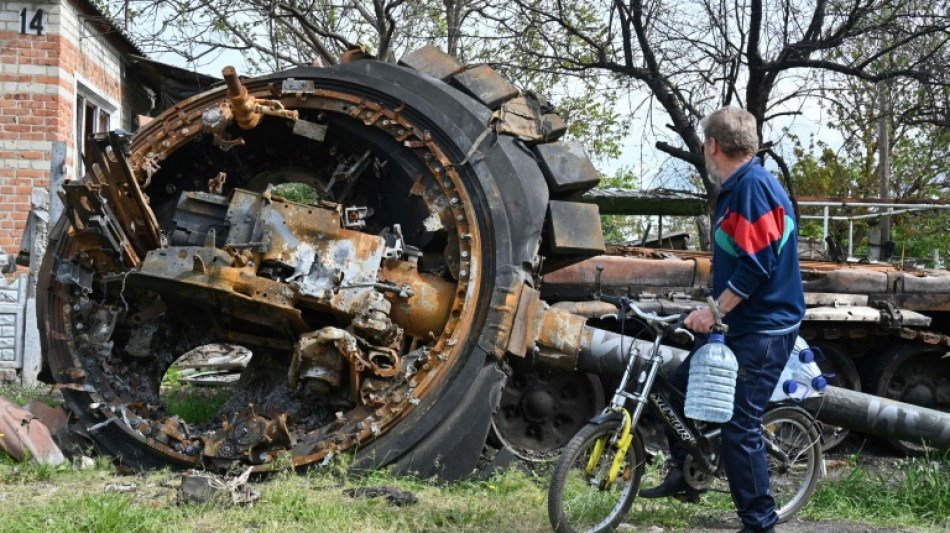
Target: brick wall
[{"x": 39, "y": 76}]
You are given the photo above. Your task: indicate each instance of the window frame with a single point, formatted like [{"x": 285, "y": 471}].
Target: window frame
[{"x": 92, "y": 113}]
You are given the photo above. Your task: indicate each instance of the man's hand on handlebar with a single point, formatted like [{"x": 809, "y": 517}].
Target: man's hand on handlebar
[
  {"x": 700, "y": 320},
  {"x": 704, "y": 320}
]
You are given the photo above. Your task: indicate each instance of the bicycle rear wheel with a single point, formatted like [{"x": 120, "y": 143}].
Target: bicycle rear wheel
[
  {"x": 580, "y": 502},
  {"x": 793, "y": 480}
]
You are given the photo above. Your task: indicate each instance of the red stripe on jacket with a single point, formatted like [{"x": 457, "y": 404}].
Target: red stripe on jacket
[{"x": 752, "y": 237}]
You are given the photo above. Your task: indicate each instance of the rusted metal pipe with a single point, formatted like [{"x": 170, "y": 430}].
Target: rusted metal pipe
[
  {"x": 559, "y": 338},
  {"x": 597, "y": 308},
  {"x": 426, "y": 310},
  {"x": 589, "y": 309},
  {"x": 243, "y": 105},
  {"x": 231, "y": 79},
  {"x": 621, "y": 272}
]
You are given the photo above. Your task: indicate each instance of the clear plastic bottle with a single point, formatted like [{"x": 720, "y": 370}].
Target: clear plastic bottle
[
  {"x": 801, "y": 377},
  {"x": 711, "y": 390},
  {"x": 792, "y": 390},
  {"x": 807, "y": 371}
]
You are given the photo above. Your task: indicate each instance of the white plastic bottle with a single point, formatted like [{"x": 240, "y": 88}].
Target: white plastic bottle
[
  {"x": 711, "y": 390},
  {"x": 807, "y": 371},
  {"x": 792, "y": 390},
  {"x": 801, "y": 378}
]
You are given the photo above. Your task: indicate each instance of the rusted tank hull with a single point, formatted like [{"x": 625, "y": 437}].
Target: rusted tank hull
[{"x": 378, "y": 316}]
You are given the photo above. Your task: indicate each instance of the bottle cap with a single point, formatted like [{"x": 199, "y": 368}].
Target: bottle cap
[
  {"x": 790, "y": 386},
  {"x": 819, "y": 383},
  {"x": 806, "y": 356},
  {"x": 717, "y": 338},
  {"x": 800, "y": 344}
]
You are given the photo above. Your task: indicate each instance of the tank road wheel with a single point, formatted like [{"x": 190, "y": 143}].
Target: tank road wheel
[
  {"x": 915, "y": 374},
  {"x": 542, "y": 409},
  {"x": 376, "y": 316},
  {"x": 837, "y": 362}
]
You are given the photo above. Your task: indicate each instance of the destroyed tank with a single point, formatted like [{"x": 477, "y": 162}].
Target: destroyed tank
[
  {"x": 378, "y": 315},
  {"x": 882, "y": 329}
]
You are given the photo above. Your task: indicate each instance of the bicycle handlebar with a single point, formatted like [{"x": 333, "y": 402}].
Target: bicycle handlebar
[{"x": 668, "y": 324}]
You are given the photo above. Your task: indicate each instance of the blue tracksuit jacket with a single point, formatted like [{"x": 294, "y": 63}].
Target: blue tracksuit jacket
[{"x": 756, "y": 253}]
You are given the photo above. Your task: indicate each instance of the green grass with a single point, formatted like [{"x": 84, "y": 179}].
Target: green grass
[
  {"x": 914, "y": 491},
  {"x": 77, "y": 501},
  {"x": 34, "y": 498},
  {"x": 191, "y": 403},
  {"x": 195, "y": 404},
  {"x": 911, "y": 493},
  {"x": 674, "y": 515},
  {"x": 22, "y": 395},
  {"x": 301, "y": 193}
]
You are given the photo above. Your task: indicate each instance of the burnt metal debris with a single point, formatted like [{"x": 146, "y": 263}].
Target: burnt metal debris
[
  {"x": 199, "y": 487},
  {"x": 24, "y": 436},
  {"x": 391, "y": 495},
  {"x": 378, "y": 317}
]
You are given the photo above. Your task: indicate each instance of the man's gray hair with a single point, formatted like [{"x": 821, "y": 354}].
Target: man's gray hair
[{"x": 734, "y": 130}]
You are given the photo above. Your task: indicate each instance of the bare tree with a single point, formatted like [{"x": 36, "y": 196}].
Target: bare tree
[
  {"x": 770, "y": 57},
  {"x": 276, "y": 34}
]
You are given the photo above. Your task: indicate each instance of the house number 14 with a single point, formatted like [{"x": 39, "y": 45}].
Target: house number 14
[{"x": 34, "y": 23}]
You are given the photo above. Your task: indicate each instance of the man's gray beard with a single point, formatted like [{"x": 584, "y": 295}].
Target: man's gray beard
[{"x": 714, "y": 175}]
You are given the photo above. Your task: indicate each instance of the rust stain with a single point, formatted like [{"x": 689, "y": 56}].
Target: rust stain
[{"x": 270, "y": 275}]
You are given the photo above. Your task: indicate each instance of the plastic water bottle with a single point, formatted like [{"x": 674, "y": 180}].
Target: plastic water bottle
[
  {"x": 797, "y": 356},
  {"x": 801, "y": 378},
  {"x": 711, "y": 389},
  {"x": 801, "y": 345},
  {"x": 807, "y": 371},
  {"x": 804, "y": 369},
  {"x": 794, "y": 391}
]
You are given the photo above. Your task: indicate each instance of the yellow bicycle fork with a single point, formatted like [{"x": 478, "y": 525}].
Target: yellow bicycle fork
[{"x": 622, "y": 445}]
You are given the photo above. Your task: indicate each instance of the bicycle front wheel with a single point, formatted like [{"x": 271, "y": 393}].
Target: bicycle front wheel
[
  {"x": 794, "y": 476},
  {"x": 579, "y": 497}
]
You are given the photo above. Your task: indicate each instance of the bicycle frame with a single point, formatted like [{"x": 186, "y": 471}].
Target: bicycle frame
[
  {"x": 646, "y": 369},
  {"x": 687, "y": 431},
  {"x": 597, "y": 477},
  {"x": 665, "y": 401}
]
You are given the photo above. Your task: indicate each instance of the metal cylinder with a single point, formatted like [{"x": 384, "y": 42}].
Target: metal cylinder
[
  {"x": 426, "y": 311},
  {"x": 233, "y": 82},
  {"x": 591, "y": 309},
  {"x": 622, "y": 272},
  {"x": 881, "y": 417},
  {"x": 605, "y": 353},
  {"x": 242, "y": 104}
]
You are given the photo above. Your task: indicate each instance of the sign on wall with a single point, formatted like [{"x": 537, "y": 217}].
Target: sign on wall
[{"x": 33, "y": 21}]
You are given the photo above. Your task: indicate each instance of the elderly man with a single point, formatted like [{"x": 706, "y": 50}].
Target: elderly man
[{"x": 757, "y": 283}]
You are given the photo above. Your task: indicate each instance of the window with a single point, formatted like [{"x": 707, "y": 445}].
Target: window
[{"x": 91, "y": 117}]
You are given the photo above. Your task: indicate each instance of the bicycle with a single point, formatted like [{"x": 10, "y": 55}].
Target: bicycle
[{"x": 598, "y": 474}]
